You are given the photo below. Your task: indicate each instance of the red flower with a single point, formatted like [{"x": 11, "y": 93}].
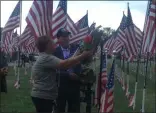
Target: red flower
[{"x": 88, "y": 39}]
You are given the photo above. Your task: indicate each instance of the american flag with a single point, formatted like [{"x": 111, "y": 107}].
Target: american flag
[
  {"x": 83, "y": 27},
  {"x": 7, "y": 44},
  {"x": 39, "y": 18},
  {"x": 26, "y": 35},
  {"x": 15, "y": 38},
  {"x": 107, "y": 99},
  {"x": 108, "y": 42},
  {"x": 62, "y": 20},
  {"x": 149, "y": 39},
  {"x": 100, "y": 88},
  {"x": 8, "y": 30},
  {"x": 92, "y": 27},
  {"x": 71, "y": 27},
  {"x": 130, "y": 35},
  {"x": 31, "y": 48},
  {"x": 116, "y": 44},
  {"x": 24, "y": 39},
  {"x": 139, "y": 36},
  {"x": 122, "y": 38},
  {"x": 14, "y": 20},
  {"x": 59, "y": 19},
  {"x": 121, "y": 33},
  {"x": 10, "y": 42},
  {"x": 29, "y": 45},
  {"x": 104, "y": 74}
]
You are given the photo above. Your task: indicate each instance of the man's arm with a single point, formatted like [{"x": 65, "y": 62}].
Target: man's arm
[{"x": 65, "y": 64}]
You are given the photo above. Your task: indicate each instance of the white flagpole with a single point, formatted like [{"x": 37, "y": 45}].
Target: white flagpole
[
  {"x": 18, "y": 67},
  {"x": 127, "y": 89},
  {"x": 123, "y": 72}
]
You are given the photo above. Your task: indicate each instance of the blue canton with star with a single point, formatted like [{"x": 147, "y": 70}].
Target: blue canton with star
[
  {"x": 149, "y": 7},
  {"x": 83, "y": 22},
  {"x": 16, "y": 11},
  {"x": 110, "y": 83},
  {"x": 104, "y": 63},
  {"x": 129, "y": 18},
  {"x": 63, "y": 5},
  {"x": 123, "y": 23}
]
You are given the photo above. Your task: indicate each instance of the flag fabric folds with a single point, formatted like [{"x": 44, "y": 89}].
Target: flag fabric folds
[
  {"x": 107, "y": 98},
  {"x": 103, "y": 80},
  {"x": 14, "y": 20},
  {"x": 149, "y": 39},
  {"x": 8, "y": 30},
  {"x": 130, "y": 35},
  {"x": 83, "y": 29},
  {"x": 39, "y": 18}
]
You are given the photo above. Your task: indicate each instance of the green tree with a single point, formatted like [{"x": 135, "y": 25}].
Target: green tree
[{"x": 104, "y": 32}]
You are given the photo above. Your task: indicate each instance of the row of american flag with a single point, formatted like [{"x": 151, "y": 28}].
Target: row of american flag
[
  {"x": 130, "y": 41},
  {"x": 130, "y": 38},
  {"x": 104, "y": 90},
  {"x": 42, "y": 21}
]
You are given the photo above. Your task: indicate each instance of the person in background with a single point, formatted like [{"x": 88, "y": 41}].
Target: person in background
[
  {"x": 44, "y": 88},
  {"x": 3, "y": 72},
  {"x": 69, "y": 83},
  {"x": 23, "y": 59}
]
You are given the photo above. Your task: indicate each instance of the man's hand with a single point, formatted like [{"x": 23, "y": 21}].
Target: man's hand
[{"x": 74, "y": 76}]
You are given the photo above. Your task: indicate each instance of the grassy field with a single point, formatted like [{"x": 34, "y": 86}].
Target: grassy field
[{"x": 20, "y": 101}]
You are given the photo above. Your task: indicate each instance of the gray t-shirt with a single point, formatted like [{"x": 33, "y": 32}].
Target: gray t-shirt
[{"x": 44, "y": 76}]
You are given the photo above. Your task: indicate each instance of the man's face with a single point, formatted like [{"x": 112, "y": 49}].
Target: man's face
[{"x": 64, "y": 41}]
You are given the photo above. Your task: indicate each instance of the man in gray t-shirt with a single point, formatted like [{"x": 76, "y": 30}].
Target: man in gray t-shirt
[
  {"x": 44, "y": 89},
  {"x": 44, "y": 76}
]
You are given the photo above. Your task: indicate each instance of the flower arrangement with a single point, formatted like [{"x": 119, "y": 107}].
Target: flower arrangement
[{"x": 89, "y": 43}]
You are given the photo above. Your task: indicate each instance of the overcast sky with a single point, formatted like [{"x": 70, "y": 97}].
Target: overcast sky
[{"x": 105, "y": 13}]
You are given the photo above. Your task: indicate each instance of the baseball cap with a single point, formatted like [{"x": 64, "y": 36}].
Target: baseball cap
[{"x": 62, "y": 32}]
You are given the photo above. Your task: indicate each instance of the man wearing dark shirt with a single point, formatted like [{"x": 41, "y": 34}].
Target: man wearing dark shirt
[{"x": 69, "y": 83}]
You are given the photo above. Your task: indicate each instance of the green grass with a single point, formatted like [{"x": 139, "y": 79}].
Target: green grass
[
  {"x": 150, "y": 89},
  {"x": 17, "y": 100},
  {"x": 20, "y": 101}
]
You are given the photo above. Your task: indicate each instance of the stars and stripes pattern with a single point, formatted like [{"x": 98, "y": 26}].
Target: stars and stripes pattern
[
  {"x": 27, "y": 41},
  {"x": 8, "y": 30},
  {"x": 92, "y": 27},
  {"x": 11, "y": 42},
  {"x": 119, "y": 40},
  {"x": 71, "y": 27},
  {"x": 100, "y": 88},
  {"x": 107, "y": 99},
  {"x": 117, "y": 46},
  {"x": 139, "y": 36},
  {"x": 15, "y": 38},
  {"x": 14, "y": 20},
  {"x": 109, "y": 42},
  {"x": 26, "y": 35},
  {"x": 104, "y": 74},
  {"x": 121, "y": 35},
  {"x": 39, "y": 18},
  {"x": 83, "y": 28},
  {"x": 62, "y": 20},
  {"x": 7, "y": 44},
  {"x": 59, "y": 19},
  {"x": 130, "y": 35},
  {"x": 149, "y": 39}
]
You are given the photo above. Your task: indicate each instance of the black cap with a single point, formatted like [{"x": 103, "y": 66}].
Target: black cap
[{"x": 62, "y": 33}]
